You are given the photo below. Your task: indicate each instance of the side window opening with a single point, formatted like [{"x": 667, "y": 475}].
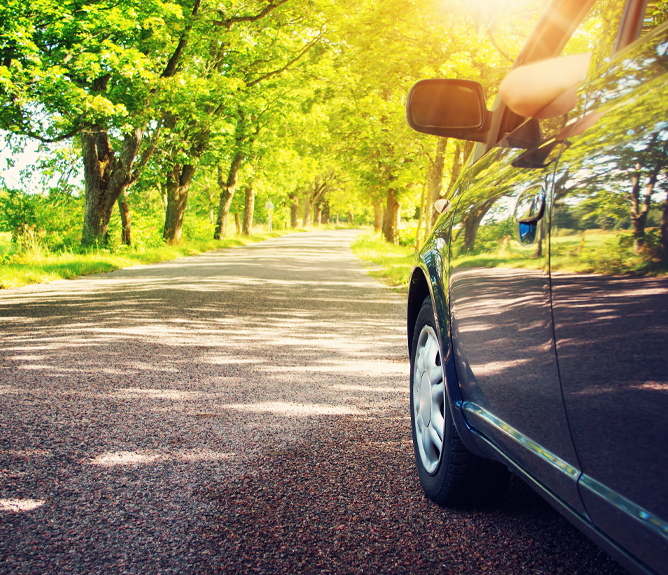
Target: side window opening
[
  {"x": 590, "y": 30},
  {"x": 641, "y": 18}
]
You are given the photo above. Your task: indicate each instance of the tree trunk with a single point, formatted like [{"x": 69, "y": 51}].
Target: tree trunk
[
  {"x": 423, "y": 199},
  {"x": 664, "y": 230},
  {"x": 237, "y": 223},
  {"x": 163, "y": 196},
  {"x": 640, "y": 209},
  {"x": 306, "y": 218},
  {"x": 377, "y": 216},
  {"x": 179, "y": 179},
  {"x": 539, "y": 239},
  {"x": 435, "y": 179},
  {"x": 317, "y": 214},
  {"x": 325, "y": 213},
  {"x": 106, "y": 177},
  {"x": 249, "y": 207},
  {"x": 294, "y": 209},
  {"x": 471, "y": 223},
  {"x": 126, "y": 220},
  {"x": 462, "y": 152},
  {"x": 390, "y": 223},
  {"x": 470, "y": 233},
  {"x": 351, "y": 218},
  {"x": 227, "y": 188}
]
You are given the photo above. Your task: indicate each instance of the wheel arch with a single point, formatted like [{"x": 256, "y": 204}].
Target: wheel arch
[
  {"x": 425, "y": 283},
  {"x": 418, "y": 290}
]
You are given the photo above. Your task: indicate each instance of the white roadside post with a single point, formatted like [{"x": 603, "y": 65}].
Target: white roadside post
[{"x": 269, "y": 206}]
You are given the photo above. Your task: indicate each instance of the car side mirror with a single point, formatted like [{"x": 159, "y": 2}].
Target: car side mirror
[{"x": 449, "y": 108}]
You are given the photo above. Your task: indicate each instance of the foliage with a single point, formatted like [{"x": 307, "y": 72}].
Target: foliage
[
  {"x": 301, "y": 91},
  {"x": 40, "y": 265},
  {"x": 49, "y": 220}
]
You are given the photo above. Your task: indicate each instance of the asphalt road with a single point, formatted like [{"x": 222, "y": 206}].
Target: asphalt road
[{"x": 242, "y": 411}]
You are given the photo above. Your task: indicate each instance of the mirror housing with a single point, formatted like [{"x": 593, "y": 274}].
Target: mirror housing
[{"x": 449, "y": 108}]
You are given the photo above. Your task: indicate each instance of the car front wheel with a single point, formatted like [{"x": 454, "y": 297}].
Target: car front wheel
[{"x": 449, "y": 473}]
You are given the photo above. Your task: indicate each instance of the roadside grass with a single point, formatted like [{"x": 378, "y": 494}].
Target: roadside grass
[
  {"x": 603, "y": 252},
  {"x": 596, "y": 251},
  {"x": 40, "y": 265},
  {"x": 395, "y": 261}
]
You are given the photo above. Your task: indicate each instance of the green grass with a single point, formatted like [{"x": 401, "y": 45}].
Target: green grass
[
  {"x": 395, "y": 261},
  {"x": 597, "y": 251},
  {"x": 39, "y": 266}
]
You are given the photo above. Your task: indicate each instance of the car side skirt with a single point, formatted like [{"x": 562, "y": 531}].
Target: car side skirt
[
  {"x": 628, "y": 561},
  {"x": 548, "y": 468}
]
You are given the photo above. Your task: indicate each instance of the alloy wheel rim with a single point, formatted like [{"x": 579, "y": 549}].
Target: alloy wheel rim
[{"x": 429, "y": 399}]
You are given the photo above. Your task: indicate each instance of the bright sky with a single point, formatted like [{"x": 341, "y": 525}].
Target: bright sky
[{"x": 12, "y": 174}]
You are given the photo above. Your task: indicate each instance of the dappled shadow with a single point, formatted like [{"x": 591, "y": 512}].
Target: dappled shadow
[
  {"x": 611, "y": 335},
  {"x": 347, "y": 502},
  {"x": 505, "y": 352},
  {"x": 125, "y": 394},
  {"x": 140, "y": 407}
]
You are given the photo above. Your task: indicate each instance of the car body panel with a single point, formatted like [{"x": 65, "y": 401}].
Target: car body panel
[
  {"x": 559, "y": 367},
  {"x": 501, "y": 322},
  {"x": 610, "y": 310}
]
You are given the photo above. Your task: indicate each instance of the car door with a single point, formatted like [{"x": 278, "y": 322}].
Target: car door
[
  {"x": 502, "y": 330},
  {"x": 608, "y": 257},
  {"x": 501, "y": 322}
]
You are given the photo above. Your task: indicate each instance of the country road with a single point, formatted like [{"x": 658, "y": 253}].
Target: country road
[{"x": 240, "y": 411}]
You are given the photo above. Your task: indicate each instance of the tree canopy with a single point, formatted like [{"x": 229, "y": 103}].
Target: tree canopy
[{"x": 167, "y": 108}]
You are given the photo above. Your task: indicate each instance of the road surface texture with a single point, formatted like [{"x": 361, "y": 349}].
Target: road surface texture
[{"x": 241, "y": 411}]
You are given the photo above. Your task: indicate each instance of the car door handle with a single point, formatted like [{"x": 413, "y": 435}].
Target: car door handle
[{"x": 530, "y": 205}]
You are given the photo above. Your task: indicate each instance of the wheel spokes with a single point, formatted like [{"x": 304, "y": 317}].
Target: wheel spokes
[
  {"x": 435, "y": 438},
  {"x": 427, "y": 362},
  {"x": 436, "y": 375},
  {"x": 437, "y": 394},
  {"x": 438, "y": 423},
  {"x": 426, "y": 441},
  {"x": 432, "y": 351}
]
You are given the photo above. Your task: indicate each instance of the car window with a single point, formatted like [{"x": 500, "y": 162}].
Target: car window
[
  {"x": 656, "y": 13},
  {"x": 595, "y": 32},
  {"x": 598, "y": 32},
  {"x": 598, "y": 28}
]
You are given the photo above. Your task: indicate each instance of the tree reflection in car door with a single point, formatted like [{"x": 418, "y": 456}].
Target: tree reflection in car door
[
  {"x": 610, "y": 297},
  {"x": 503, "y": 339},
  {"x": 501, "y": 323}
]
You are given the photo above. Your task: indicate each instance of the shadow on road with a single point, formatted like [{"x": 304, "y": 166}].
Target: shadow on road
[{"x": 236, "y": 411}]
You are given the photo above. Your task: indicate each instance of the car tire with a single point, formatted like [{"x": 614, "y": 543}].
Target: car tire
[{"x": 449, "y": 473}]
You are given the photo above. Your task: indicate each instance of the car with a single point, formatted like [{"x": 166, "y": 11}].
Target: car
[{"x": 537, "y": 309}]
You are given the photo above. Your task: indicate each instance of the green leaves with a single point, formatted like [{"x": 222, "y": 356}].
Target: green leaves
[{"x": 95, "y": 63}]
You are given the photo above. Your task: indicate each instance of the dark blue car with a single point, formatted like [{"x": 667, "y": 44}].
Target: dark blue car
[{"x": 538, "y": 308}]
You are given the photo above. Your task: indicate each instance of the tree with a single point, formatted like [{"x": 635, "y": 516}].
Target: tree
[
  {"x": 231, "y": 84},
  {"x": 93, "y": 70}
]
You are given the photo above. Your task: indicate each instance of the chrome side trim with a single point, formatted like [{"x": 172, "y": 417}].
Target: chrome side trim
[
  {"x": 655, "y": 523},
  {"x": 625, "y": 558},
  {"x": 528, "y": 444}
]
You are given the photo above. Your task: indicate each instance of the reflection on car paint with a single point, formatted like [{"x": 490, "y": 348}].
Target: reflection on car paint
[
  {"x": 531, "y": 446},
  {"x": 496, "y": 279},
  {"x": 609, "y": 234}
]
